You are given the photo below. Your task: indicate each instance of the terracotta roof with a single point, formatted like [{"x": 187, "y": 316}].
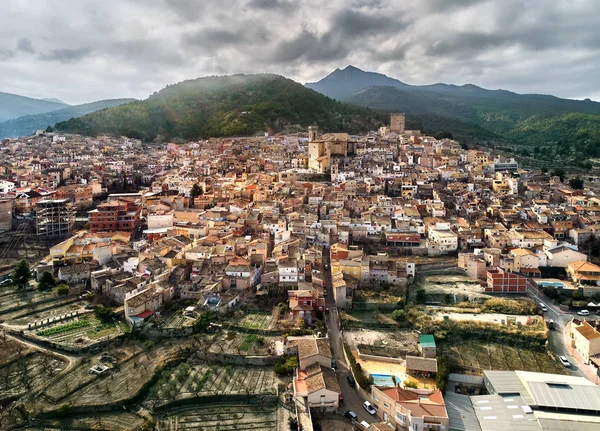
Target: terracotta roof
[
  {"x": 521, "y": 252},
  {"x": 588, "y": 331},
  {"x": 325, "y": 378},
  {"x": 418, "y": 405},
  {"x": 311, "y": 346}
]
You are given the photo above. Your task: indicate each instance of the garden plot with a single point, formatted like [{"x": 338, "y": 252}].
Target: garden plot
[
  {"x": 36, "y": 312},
  {"x": 187, "y": 381},
  {"x": 178, "y": 320},
  {"x": 82, "y": 330},
  {"x": 234, "y": 343},
  {"x": 387, "y": 343},
  {"x": 260, "y": 417},
  {"x": 473, "y": 356},
  {"x": 256, "y": 320},
  {"x": 29, "y": 373}
]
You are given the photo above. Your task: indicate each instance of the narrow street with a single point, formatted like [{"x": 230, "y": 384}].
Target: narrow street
[
  {"x": 557, "y": 338},
  {"x": 351, "y": 399}
]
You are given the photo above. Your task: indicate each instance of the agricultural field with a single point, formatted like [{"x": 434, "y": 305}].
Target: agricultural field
[
  {"x": 187, "y": 381},
  {"x": 473, "y": 356},
  {"x": 256, "y": 320},
  {"x": 11, "y": 350},
  {"x": 178, "y": 320},
  {"x": 459, "y": 287},
  {"x": 387, "y": 343},
  {"x": 235, "y": 343},
  {"x": 221, "y": 417},
  {"x": 28, "y": 373},
  {"x": 108, "y": 421},
  {"x": 82, "y": 330}
]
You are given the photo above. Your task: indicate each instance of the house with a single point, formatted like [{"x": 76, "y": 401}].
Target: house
[
  {"x": 584, "y": 272},
  {"x": 75, "y": 273},
  {"x": 310, "y": 351},
  {"x": 585, "y": 339},
  {"x": 411, "y": 409},
  {"x": 522, "y": 261},
  {"x": 319, "y": 385},
  {"x": 441, "y": 241},
  {"x": 305, "y": 303},
  {"x": 563, "y": 255},
  {"x": 500, "y": 281}
]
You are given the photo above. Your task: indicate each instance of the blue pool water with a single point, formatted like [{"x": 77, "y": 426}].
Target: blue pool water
[
  {"x": 552, "y": 284},
  {"x": 384, "y": 380}
]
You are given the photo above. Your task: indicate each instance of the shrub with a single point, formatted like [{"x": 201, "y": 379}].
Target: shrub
[
  {"x": 286, "y": 366},
  {"x": 62, "y": 289},
  {"x": 421, "y": 296},
  {"x": 46, "y": 281},
  {"x": 363, "y": 381},
  {"x": 104, "y": 313},
  {"x": 399, "y": 315},
  {"x": 509, "y": 306},
  {"x": 410, "y": 383},
  {"x": 63, "y": 411}
]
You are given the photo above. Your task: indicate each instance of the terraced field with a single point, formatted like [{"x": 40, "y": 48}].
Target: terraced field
[
  {"x": 81, "y": 331},
  {"x": 179, "y": 321},
  {"x": 102, "y": 421},
  {"x": 256, "y": 320},
  {"x": 474, "y": 356},
  {"x": 221, "y": 417},
  {"x": 202, "y": 380},
  {"x": 28, "y": 373},
  {"x": 243, "y": 344}
]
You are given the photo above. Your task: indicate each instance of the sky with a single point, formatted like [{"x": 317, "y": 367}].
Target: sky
[{"x": 85, "y": 50}]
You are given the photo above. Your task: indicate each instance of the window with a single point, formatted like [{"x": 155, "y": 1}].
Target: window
[{"x": 400, "y": 418}]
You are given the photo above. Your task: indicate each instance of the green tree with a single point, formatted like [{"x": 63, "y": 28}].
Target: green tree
[
  {"x": 104, "y": 313},
  {"x": 46, "y": 281},
  {"x": 558, "y": 172},
  {"x": 576, "y": 183},
  {"x": 21, "y": 274},
  {"x": 421, "y": 296},
  {"x": 195, "y": 192},
  {"x": 49, "y": 129},
  {"x": 62, "y": 289}
]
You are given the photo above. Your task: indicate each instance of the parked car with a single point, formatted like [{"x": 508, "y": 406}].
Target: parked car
[
  {"x": 369, "y": 407},
  {"x": 564, "y": 361},
  {"x": 551, "y": 324},
  {"x": 351, "y": 380},
  {"x": 583, "y": 313},
  {"x": 5, "y": 281},
  {"x": 543, "y": 307},
  {"x": 364, "y": 425},
  {"x": 350, "y": 415}
]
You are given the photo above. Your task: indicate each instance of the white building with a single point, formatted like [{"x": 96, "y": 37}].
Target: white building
[{"x": 6, "y": 186}]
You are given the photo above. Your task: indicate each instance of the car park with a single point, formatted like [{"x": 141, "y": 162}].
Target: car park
[
  {"x": 564, "y": 361},
  {"x": 369, "y": 408}
]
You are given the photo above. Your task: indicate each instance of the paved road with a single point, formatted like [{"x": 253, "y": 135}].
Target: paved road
[
  {"x": 557, "y": 339},
  {"x": 352, "y": 400}
]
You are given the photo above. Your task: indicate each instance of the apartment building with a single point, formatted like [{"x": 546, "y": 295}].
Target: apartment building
[{"x": 115, "y": 215}]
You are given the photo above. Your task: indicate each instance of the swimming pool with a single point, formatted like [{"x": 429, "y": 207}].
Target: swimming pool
[
  {"x": 384, "y": 380},
  {"x": 556, "y": 284}
]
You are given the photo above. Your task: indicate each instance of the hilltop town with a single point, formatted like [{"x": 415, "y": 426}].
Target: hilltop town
[{"x": 306, "y": 281}]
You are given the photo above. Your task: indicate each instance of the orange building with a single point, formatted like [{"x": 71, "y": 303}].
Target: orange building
[{"x": 116, "y": 215}]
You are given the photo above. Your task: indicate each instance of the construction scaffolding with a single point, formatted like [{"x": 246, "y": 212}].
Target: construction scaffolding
[{"x": 54, "y": 218}]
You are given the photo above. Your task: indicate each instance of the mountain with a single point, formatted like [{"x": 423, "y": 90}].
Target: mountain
[
  {"x": 236, "y": 105},
  {"x": 342, "y": 83},
  {"x": 28, "y": 124},
  {"x": 52, "y": 99},
  {"x": 14, "y": 106},
  {"x": 545, "y": 123}
]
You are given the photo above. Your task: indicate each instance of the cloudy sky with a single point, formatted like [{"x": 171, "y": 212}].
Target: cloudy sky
[{"x": 84, "y": 50}]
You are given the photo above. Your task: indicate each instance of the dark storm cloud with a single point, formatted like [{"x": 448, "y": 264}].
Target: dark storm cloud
[
  {"x": 24, "y": 45},
  {"x": 119, "y": 48},
  {"x": 271, "y": 4},
  {"x": 66, "y": 55},
  {"x": 349, "y": 30}
]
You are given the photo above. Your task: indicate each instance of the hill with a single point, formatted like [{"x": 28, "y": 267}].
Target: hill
[
  {"x": 237, "y": 105},
  {"x": 477, "y": 114},
  {"x": 14, "y": 106},
  {"x": 28, "y": 124}
]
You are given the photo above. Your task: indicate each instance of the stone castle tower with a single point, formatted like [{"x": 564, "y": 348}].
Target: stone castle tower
[
  {"x": 313, "y": 133},
  {"x": 397, "y": 122}
]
